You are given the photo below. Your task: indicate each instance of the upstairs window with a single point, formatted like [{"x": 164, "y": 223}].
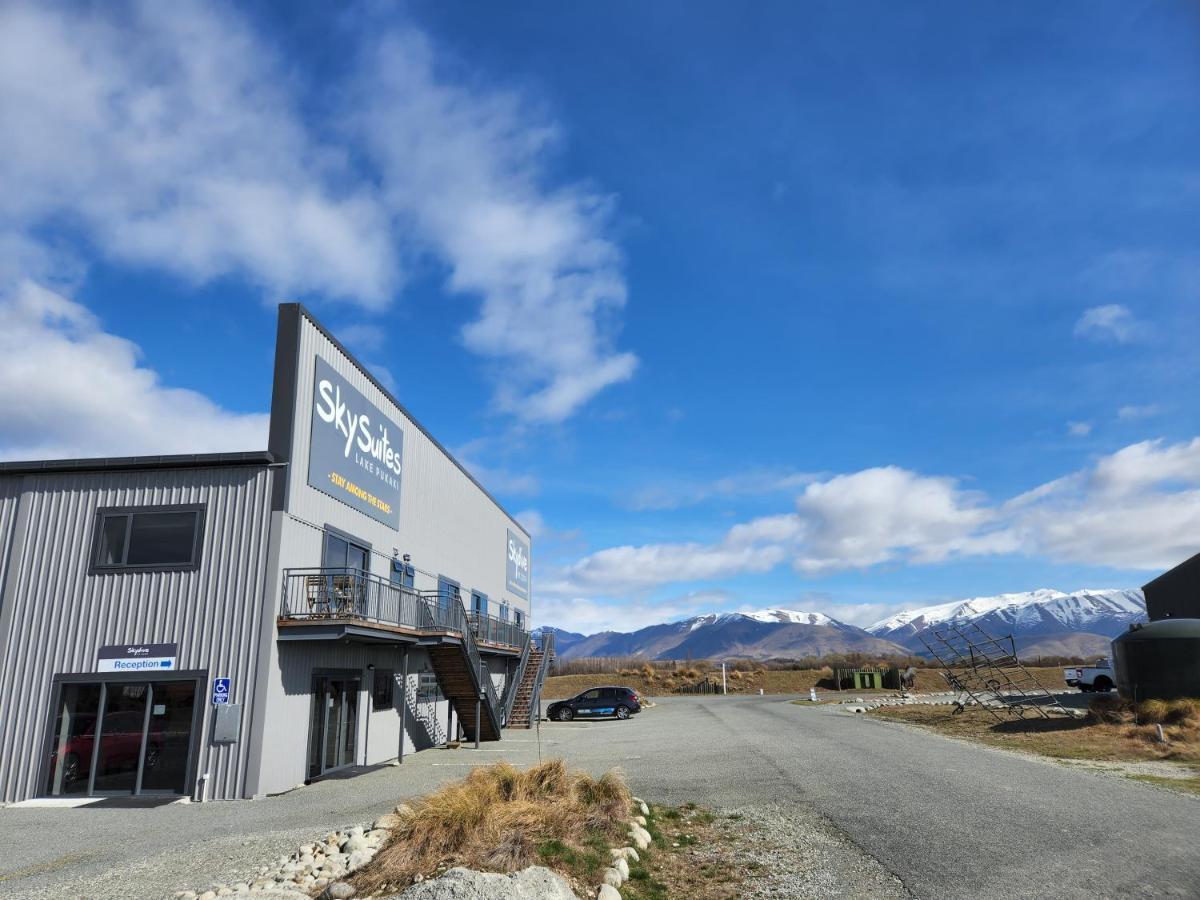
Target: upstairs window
[
  {"x": 341, "y": 552},
  {"x": 148, "y": 539},
  {"x": 519, "y": 618},
  {"x": 479, "y": 603}
]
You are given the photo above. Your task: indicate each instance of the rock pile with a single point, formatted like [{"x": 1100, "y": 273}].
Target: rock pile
[{"x": 318, "y": 866}]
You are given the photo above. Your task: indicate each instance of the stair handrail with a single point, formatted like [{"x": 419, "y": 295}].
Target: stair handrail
[
  {"x": 514, "y": 682},
  {"x": 535, "y": 699},
  {"x": 449, "y": 614}
]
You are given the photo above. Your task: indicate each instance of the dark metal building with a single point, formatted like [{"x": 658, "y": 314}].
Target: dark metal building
[{"x": 1175, "y": 594}]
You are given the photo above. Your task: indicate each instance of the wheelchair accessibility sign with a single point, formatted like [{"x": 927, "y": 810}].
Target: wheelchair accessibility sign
[{"x": 220, "y": 691}]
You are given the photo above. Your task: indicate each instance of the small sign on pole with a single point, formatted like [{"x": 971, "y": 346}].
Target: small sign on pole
[{"x": 220, "y": 695}]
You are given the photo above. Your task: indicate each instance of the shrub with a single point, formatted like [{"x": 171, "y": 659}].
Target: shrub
[
  {"x": 1152, "y": 711},
  {"x": 499, "y": 818},
  {"x": 1184, "y": 711},
  {"x": 1109, "y": 709}
]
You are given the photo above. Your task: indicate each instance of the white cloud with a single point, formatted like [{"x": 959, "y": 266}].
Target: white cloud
[
  {"x": 1136, "y": 413},
  {"x": 1079, "y": 429},
  {"x": 587, "y": 615},
  {"x": 885, "y": 514},
  {"x": 173, "y": 136},
  {"x": 676, "y": 494},
  {"x": 464, "y": 168},
  {"x": 1137, "y": 508},
  {"x": 70, "y": 389},
  {"x": 621, "y": 569},
  {"x": 1148, "y": 464},
  {"x": 1111, "y": 322}
]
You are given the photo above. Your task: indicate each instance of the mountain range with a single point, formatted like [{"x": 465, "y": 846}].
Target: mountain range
[{"x": 1043, "y": 623}]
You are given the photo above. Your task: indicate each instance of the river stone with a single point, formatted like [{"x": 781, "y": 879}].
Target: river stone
[
  {"x": 339, "y": 890},
  {"x": 613, "y": 877},
  {"x": 534, "y": 883},
  {"x": 623, "y": 867},
  {"x": 608, "y": 892}
]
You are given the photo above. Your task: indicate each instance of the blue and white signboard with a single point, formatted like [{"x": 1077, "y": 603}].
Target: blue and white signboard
[
  {"x": 355, "y": 449},
  {"x": 220, "y": 691},
  {"x": 517, "y": 581},
  {"x": 137, "y": 657}
]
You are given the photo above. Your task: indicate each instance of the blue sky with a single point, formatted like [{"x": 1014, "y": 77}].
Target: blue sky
[{"x": 832, "y": 307}]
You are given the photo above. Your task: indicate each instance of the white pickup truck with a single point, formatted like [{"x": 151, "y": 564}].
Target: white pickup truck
[{"x": 1091, "y": 678}]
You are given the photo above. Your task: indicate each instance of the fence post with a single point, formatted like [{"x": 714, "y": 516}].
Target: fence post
[{"x": 724, "y": 684}]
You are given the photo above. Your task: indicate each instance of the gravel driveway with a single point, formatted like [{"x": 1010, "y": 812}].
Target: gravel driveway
[{"x": 868, "y": 809}]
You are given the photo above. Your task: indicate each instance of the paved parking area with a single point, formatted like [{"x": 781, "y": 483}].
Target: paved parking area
[{"x": 949, "y": 819}]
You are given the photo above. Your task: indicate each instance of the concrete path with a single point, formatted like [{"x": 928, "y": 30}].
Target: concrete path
[{"x": 949, "y": 819}]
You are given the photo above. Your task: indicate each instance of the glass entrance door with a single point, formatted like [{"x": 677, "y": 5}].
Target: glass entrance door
[
  {"x": 333, "y": 730},
  {"x": 122, "y": 737},
  {"x": 122, "y": 733}
]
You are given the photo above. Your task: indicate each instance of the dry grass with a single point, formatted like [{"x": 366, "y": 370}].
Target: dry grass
[
  {"x": 747, "y": 679},
  {"x": 499, "y": 819},
  {"x": 1108, "y": 733}
]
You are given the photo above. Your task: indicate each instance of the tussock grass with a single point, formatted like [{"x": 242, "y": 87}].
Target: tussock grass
[
  {"x": 1109, "y": 732},
  {"x": 502, "y": 819}
]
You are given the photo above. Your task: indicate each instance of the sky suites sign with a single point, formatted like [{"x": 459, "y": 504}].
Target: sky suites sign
[
  {"x": 355, "y": 449},
  {"x": 517, "y": 581}
]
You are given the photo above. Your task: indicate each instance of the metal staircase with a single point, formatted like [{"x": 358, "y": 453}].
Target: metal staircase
[
  {"x": 529, "y": 681},
  {"x": 987, "y": 670},
  {"x": 460, "y": 671}
]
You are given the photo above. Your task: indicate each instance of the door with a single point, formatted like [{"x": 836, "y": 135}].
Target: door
[
  {"x": 586, "y": 704},
  {"x": 333, "y": 730},
  {"x": 122, "y": 737}
]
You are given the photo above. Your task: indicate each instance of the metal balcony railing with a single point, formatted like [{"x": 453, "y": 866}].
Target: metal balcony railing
[
  {"x": 497, "y": 631},
  {"x": 338, "y": 593}
]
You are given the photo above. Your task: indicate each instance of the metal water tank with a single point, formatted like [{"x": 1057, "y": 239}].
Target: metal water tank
[{"x": 1159, "y": 659}]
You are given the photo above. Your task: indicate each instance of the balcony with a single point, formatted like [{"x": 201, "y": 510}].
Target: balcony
[
  {"x": 359, "y": 603},
  {"x": 491, "y": 630}
]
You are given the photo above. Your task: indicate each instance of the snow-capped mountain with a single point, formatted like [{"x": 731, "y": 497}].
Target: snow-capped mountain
[
  {"x": 1043, "y": 622},
  {"x": 762, "y": 634}
]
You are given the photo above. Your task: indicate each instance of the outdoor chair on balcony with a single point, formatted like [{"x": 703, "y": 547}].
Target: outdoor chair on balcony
[{"x": 331, "y": 595}]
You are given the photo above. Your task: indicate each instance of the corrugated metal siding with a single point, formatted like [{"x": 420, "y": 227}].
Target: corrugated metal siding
[
  {"x": 447, "y": 523},
  {"x": 61, "y": 616},
  {"x": 10, "y": 496}
]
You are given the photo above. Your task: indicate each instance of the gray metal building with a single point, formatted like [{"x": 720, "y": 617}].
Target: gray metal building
[{"x": 231, "y": 625}]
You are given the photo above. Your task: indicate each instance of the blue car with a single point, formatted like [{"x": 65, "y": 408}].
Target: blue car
[{"x": 595, "y": 703}]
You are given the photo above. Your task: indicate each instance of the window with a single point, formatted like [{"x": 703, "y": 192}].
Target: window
[
  {"x": 479, "y": 603},
  {"x": 519, "y": 618},
  {"x": 402, "y": 573},
  {"x": 148, "y": 538},
  {"x": 428, "y": 689},
  {"x": 381, "y": 689},
  {"x": 591, "y": 695},
  {"x": 341, "y": 552},
  {"x": 504, "y": 612}
]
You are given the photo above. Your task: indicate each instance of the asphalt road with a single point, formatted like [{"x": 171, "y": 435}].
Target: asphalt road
[{"x": 949, "y": 819}]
